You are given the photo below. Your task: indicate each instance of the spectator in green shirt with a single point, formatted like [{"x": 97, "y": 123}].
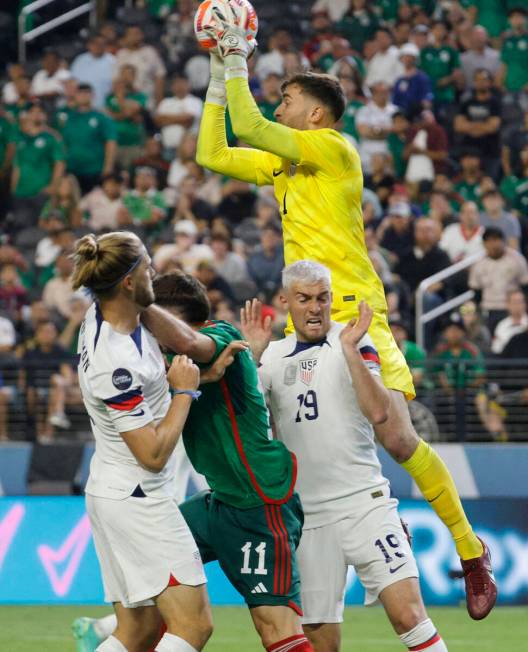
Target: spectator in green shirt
[
  {"x": 414, "y": 354},
  {"x": 126, "y": 106},
  {"x": 144, "y": 206},
  {"x": 23, "y": 89},
  {"x": 513, "y": 74},
  {"x": 358, "y": 25},
  {"x": 442, "y": 63},
  {"x": 468, "y": 184},
  {"x": 396, "y": 141},
  {"x": 90, "y": 140},
  {"x": 7, "y": 152},
  {"x": 491, "y": 14},
  {"x": 38, "y": 167}
]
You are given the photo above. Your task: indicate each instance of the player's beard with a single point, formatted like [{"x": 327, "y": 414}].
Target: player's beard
[{"x": 144, "y": 295}]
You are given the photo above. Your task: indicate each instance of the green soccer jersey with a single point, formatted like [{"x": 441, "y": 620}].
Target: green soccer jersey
[
  {"x": 438, "y": 63},
  {"x": 469, "y": 191},
  {"x": 514, "y": 55},
  {"x": 349, "y": 118},
  {"x": 35, "y": 158},
  {"x": 396, "y": 147},
  {"x": 520, "y": 202},
  {"x": 268, "y": 109},
  {"x": 7, "y": 136},
  {"x": 491, "y": 14},
  {"x": 85, "y": 135},
  {"x": 140, "y": 205},
  {"x": 128, "y": 131},
  {"x": 388, "y": 9},
  {"x": 14, "y": 110},
  {"x": 227, "y": 434},
  {"x": 458, "y": 374}
]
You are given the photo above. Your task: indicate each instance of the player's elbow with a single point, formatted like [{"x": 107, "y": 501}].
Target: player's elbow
[
  {"x": 153, "y": 464},
  {"x": 379, "y": 416}
]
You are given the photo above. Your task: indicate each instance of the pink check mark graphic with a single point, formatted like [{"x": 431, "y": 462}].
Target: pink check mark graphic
[
  {"x": 8, "y": 529},
  {"x": 71, "y": 551}
]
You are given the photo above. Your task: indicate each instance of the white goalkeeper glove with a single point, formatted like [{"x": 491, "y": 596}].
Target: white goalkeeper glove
[
  {"x": 216, "y": 91},
  {"x": 230, "y": 33}
]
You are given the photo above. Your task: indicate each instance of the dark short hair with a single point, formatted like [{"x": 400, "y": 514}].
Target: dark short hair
[
  {"x": 493, "y": 233},
  {"x": 322, "y": 87},
  {"x": 185, "y": 294}
]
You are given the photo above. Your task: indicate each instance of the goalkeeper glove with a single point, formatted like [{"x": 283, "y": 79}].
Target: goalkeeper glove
[
  {"x": 230, "y": 33},
  {"x": 216, "y": 91}
]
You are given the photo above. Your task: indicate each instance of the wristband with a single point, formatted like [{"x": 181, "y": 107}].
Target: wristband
[
  {"x": 216, "y": 92},
  {"x": 235, "y": 66},
  {"x": 194, "y": 394}
]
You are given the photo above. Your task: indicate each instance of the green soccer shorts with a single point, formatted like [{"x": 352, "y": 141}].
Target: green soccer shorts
[{"x": 254, "y": 547}]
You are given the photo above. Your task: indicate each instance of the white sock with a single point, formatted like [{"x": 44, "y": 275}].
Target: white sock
[
  {"x": 424, "y": 637},
  {"x": 172, "y": 643},
  {"x": 105, "y": 626},
  {"x": 111, "y": 645}
]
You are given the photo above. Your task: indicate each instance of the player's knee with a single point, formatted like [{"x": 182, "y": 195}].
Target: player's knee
[
  {"x": 199, "y": 626},
  {"x": 410, "y": 616},
  {"x": 324, "y": 638}
]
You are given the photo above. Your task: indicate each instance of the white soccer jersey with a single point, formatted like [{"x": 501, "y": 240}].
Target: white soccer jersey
[
  {"x": 317, "y": 416},
  {"x": 124, "y": 387}
]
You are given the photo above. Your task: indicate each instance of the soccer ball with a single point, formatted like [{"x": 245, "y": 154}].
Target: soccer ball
[{"x": 204, "y": 17}]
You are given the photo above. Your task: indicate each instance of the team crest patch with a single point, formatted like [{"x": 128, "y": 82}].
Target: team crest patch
[
  {"x": 307, "y": 370},
  {"x": 122, "y": 379},
  {"x": 290, "y": 374}
]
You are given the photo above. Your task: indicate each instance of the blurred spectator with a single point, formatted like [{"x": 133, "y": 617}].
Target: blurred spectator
[
  {"x": 495, "y": 216},
  {"x": 147, "y": 62},
  {"x": 13, "y": 295},
  {"x": 380, "y": 178},
  {"x": 441, "y": 62},
  {"x": 396, "y": 233},
  {"x": 78, "y": 305},
  {"x": 47, "y": 82},
  {"x": 517, "y": 347},
  {"x": 190, "y": 207},
  {"x": 513, "y": 73},
  {"x": 423, "y": 260},
  {"x": 179, "y": 166},
  {"x": 266, "y": 262},
  {"x": 270, "y": 97},
  {"x": 7, "y": 345},
  {"x": 412, "y": 91},
  {"x": 397, "y": 141},
  {"x": 184, "y": 253},
  {"x": 279, "y": 43},
  {"x": 479, "y": 56},
  {"x": 414, "y": 354},
  {"x": 111, "y": 37},
  {"x": 9, "y": 92},
  {"x": 351, "y": 83},
  {"x": 231, "y": 266},
  {"x": 103, "y": 205},
  {"x": 374, "y": 123},
  {"x": 478, "y": 123},
  {"x": 359, "y": 24},
  {"x": 501, "y": 271},
  {"x": 144, "y": 205},
  {"x": 179, "y": 39},
  {"x": 152, "y": 158},
  {"x": 320, "y": 35},
  {"x": 476, "y": 331},
  {"x": 490, "y": 14},
  {"x": 90, "y": 141},
  {"x": 385, "y": 65},
  {"x": 512, "y": 145},
  {"x": 468, "y": 184},
  {"x": 178, "y": 113},
  {"x": 7, "y": 153},
  {"x": 94, "y": 68},
  {"x": 64, "y": 202},
  {"x": 336, "y": 8},
  {"x": 125, "y": 105},
  {"x": 426, "y": 149},
  {"x": 58, "y": 291},
  {"x": 238, "y": 200},
  {"x": 49, "y": 247},
  {"x": 516, "y": 321},
  {"x": 464, "y": 238},
  {"x": 46, "y": 377},
  {"x": 218, "y": 289},
  {"x": 378, "y": 257},
  {"x": 440, "y": 209},
  {"x": 24, "y": 98},
  {"x": 37, "y": 168}
]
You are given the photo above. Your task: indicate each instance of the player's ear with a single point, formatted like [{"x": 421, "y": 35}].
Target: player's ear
[
  {"x": 283, "y": 299},
  {"x": 317, "y": 114}
]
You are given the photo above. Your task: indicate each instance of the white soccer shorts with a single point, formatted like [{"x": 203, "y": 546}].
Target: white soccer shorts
[
  {"x": 140, "y": 543},
  {"x": 372, "y": 541}
]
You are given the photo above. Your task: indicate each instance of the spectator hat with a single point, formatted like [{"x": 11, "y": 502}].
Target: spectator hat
[
  {"x": 400, "y": 209},
  {"x": 409, "y": 49},
  {"x": 185, "y": 227}
]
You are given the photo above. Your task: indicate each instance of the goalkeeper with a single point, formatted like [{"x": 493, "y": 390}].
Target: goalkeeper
[{"x": 318, "y": 182}]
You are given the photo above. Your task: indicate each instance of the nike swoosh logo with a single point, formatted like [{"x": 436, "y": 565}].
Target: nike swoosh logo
[
  {"x": 436, "y": 497},
  {"x": 138, "y": 414},
  {"x": 276, "y": 173},
  {"x": 393, "y": 570}
]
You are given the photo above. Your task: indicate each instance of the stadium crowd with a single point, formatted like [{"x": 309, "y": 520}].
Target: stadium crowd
[{"x": 437, "y": 105}]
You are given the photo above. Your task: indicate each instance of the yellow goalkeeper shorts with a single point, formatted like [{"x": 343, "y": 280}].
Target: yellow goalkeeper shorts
[{"x": 394, "y": 370}]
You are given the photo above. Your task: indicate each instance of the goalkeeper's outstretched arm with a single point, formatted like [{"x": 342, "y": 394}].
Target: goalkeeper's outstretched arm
[{"x": 213, "y": 151}]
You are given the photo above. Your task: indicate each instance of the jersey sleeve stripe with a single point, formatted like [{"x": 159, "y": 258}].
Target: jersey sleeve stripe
[
  {"x": 125, "y": 401},
  {"x": 369, "y": 353}
]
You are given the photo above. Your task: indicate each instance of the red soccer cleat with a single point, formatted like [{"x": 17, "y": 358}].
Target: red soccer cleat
[{"x": 481, "y": 588}]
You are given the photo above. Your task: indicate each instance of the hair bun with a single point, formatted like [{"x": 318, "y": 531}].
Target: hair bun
[{"x": 88, "y": 247}]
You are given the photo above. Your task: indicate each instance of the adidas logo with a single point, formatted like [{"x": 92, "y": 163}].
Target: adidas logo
[{"x": 260, "y": 588}]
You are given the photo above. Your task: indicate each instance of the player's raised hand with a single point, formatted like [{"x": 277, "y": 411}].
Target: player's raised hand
[
  {"x": 217, "y": 370},
  {"x": 229, "y": 31},
  {"x": 216, "y": 66},
  {"x": 256, "y": 330},
  {"x": 183, "y": 374},
  {"x": 357, "y": 328}
]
